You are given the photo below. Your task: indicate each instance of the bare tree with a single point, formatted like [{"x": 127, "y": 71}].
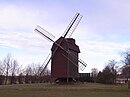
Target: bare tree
[
  {"x": 21, "y": 78},
  {"x": 14, "y": 70},
  {"x": 28, "y": 74},
  {"x": 94, "y": 72},
  {"x": 33, "y": 73},
  {"x": 7, "y": 62},
  {"x": 20, "y": 74},
  {"x": 126, "y": 67},
  {"x": 1, "y": 68},
  {"x": 1, "y": 73}
]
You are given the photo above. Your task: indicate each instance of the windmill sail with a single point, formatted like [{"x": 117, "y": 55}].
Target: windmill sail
[
  {"x": 46, "y": 62},
  {"x": 44, "y": 33},
  {"x": 72, "y": 26},
  {"x": 49, "y": 37}
]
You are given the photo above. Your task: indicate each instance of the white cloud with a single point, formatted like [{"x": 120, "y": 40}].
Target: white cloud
[
  {"x": 110, "y": 17},
  {"x": 24, "y": 40},
  {"x": 17, "y": 24},
  {"x": 13, "y": 17},
  {"x": 101, "y": 24}
]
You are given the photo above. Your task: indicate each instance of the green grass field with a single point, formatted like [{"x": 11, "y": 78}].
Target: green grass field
[{"x": 53, "y": 90}]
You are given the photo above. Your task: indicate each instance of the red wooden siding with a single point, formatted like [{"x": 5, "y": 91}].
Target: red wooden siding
[{"x": 62, "y": 67}]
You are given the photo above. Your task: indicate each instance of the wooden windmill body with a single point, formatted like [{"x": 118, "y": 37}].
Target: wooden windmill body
[
  {"x": 64, "y": 53},
  {"x": 63, "y": 65}
]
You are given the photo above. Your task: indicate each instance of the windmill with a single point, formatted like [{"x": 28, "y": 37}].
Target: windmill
[{"x": 64, "y": 53}]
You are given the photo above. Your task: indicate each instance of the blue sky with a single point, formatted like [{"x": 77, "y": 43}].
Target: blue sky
[{"x": 102, "y": 34}]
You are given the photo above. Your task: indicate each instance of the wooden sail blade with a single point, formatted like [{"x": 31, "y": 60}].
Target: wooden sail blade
[
  {"x": 81, "y": 62},
  {"x": 44, "y": 33},
  {"x": 72, "y": 26},
  {"x": 45, "y": 64}
]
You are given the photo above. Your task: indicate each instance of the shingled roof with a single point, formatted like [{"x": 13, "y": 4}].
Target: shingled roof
[{"x": 67, "y": 43}]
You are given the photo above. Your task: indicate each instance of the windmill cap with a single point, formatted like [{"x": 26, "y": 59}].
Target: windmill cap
[{"x": 70, "y": 40}]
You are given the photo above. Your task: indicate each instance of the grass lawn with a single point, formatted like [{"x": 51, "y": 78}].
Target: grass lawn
[{"x": 53, "y": 90}]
